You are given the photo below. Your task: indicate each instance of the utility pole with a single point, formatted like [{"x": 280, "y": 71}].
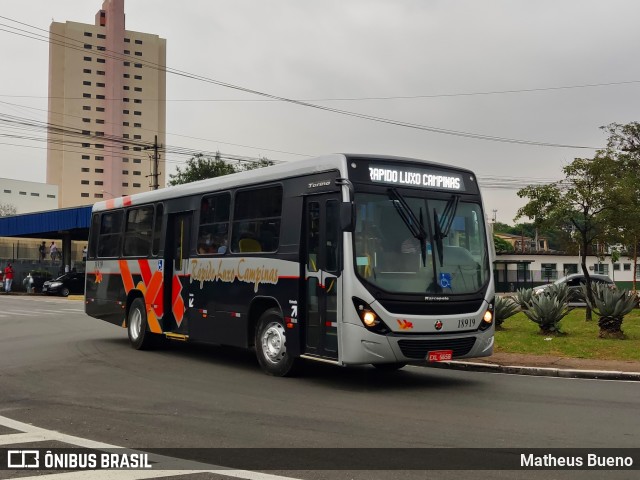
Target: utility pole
[
  {"x": 155, "y": 174},
  {"x": 156, "y": 162}
]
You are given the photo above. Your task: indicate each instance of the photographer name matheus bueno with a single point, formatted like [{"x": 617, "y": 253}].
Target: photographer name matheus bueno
[{"x": 247, "y": 270}]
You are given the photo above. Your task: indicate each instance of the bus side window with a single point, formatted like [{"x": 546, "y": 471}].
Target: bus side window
[
  {"x": 256, "y": 221},
  {"x": 157, "y": 230},
  {"x": 138, "y": 232},
  {"x": 95, "y": 229},
  {"x": 110, "y": 234},
  {"x": 213, "y": 232}
]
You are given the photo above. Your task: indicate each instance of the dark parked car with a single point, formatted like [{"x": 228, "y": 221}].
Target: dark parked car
[
  {"x": 575, "y": 281},
  {"x": 39, "y": 277},
  {"x": 72, "y": 282}
]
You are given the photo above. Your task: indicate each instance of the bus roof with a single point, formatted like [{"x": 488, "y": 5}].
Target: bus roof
[{"x": 266, "y": 174}]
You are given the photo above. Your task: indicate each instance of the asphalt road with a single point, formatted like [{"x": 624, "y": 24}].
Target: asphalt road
[{"x": 64, "y": 371}]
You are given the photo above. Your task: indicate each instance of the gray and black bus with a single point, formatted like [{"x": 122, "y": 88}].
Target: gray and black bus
[{"x": 347, "y": 259}]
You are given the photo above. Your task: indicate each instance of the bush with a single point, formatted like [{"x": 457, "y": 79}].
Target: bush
[
  {"x": 559, "y": 291},
  {"x": 611, "y": 305},
  {"x": 523, "y": 298},
  {"x": 504, "y": 307},
  {"x": 547, "y": 311}
]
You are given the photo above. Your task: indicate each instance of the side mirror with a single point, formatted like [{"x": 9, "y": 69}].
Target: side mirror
[{"x": 348, "y": 216}]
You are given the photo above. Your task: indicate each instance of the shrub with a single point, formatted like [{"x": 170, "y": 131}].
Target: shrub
[
  {"x": 611, "y": 305},
  {"x": 559, "y": 291},
  {"x": 547, "y": 311},
  {"x": 504, "y": 307},
  {"x": 523, "y": 298}
]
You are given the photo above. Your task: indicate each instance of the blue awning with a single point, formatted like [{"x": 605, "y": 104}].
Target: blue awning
[{"x": 49, "y": 224}]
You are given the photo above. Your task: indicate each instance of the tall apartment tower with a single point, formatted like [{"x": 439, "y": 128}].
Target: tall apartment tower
[{"x": 107, "y": 104}]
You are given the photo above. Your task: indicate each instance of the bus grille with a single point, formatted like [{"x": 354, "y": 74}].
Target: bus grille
[
  {"x": 420, "y": 348},
  {"x": 431, "y": 308}
]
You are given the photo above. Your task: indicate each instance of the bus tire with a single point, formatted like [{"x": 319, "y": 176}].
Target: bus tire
[
  {"x": 389, "y": 367},
  {"x": 271, "y": 345},
  {"x": 139, "y": 335}
]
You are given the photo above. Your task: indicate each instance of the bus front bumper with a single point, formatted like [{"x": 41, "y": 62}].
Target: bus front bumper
[{"x": 360, "y": 346}]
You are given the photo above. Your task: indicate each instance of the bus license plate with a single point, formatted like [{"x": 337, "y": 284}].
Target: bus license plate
[{"x": 439, "y": 355}]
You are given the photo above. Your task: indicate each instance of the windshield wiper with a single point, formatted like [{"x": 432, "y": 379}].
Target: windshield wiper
[
  {"x": 443, "y": 224},
  {"x": 415, "y": 226}
]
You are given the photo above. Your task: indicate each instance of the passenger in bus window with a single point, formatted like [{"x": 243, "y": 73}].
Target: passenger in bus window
[{"x": 220, "y": 244}]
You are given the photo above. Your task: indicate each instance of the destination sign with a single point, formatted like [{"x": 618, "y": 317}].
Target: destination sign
[{"x": 417, "y": 177}]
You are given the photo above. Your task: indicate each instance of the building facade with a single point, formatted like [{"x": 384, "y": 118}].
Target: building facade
[
  {"x": 107, "y": 105},
  {"x": 28, "y": 197},
  {"x": 514, "y": 271}
]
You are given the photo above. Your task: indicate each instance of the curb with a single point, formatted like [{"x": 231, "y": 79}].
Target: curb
[{"x": 538, "y": 371}]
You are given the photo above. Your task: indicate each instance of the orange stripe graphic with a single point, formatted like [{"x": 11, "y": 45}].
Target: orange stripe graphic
[{"x": 127, "y": 279}]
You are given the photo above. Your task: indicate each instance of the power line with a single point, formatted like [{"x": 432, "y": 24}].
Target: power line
[
  {"x": 372, "y": 118},
  {"x": 177, "y": 135},
  {"x": 357, "y": 99}
]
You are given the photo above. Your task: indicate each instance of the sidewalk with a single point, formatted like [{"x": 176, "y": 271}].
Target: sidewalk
[{"x": 549, "y": 366}]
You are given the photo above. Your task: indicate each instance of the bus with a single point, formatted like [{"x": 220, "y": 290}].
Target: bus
[{"x": 346, "y": 259}]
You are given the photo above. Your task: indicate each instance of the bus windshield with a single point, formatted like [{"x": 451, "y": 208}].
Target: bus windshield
[{"x": 414, "y": 243}]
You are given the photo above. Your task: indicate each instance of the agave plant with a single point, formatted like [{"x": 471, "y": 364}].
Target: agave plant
[
  {"x": 546, "y": 311},
  {"x": 611, "y": 305},
  {"x": 523, "y": 298},
  {"x": 559, "y": 291},
  {"x": 504, "y": 307}
]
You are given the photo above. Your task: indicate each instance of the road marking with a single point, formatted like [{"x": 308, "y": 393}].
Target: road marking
[
  {"x": 21, "y": 438},
  {"x": 41, "y": 434}
]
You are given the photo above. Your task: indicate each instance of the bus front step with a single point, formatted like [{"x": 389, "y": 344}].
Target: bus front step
[{"x": 176, "y": 336}]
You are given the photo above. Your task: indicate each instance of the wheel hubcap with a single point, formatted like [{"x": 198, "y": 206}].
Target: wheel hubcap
[
  {"x": 273, "y": 343},
  {"x": 135, "y": 324}
]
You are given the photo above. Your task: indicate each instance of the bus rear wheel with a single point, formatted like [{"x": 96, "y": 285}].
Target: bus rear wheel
[
  {"x": 139, "y": 335},
  {"x": 271, "y": 345}
]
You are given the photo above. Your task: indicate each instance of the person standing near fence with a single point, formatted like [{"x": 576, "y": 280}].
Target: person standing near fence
[
  {"x": 42, "y": 251},
  {"x": 8, "y": 277},
  {"x": 53, "y": 251}
]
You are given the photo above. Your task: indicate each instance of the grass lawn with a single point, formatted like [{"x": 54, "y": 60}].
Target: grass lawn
[{"x": 580, "y": 339}]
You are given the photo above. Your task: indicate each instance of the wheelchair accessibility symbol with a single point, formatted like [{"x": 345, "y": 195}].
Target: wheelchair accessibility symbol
[{"x": 445, "y": 280}]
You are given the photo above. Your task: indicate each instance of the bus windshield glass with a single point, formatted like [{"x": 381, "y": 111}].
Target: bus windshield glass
[{"x": 414, "y": 243}]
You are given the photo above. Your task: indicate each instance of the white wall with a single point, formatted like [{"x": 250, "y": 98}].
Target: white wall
[
  {"x": 28, "y": 196},
  {"x": 559, "y": 261}
]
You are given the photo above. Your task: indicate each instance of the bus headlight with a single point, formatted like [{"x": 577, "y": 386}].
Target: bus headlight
[
  {"x": 369, "y": 318},
  {"x": 487, "y": 319}
]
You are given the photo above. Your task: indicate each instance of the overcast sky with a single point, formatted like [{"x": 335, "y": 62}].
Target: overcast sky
[{"x": 367, "y": 48}]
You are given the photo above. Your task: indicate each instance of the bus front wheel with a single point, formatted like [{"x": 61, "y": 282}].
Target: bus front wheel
[
  {"x": 271, "y": 345},
  {"x": 139, "y": 335}
]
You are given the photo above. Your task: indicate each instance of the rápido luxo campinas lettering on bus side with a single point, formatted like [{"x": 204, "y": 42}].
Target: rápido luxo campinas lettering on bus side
[{"x": 243, "y": 270}]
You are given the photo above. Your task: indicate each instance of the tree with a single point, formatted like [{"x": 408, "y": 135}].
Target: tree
[
  {"x": 201, "y": 167},
  {"x": 7, "y": 209},
  {"x": 581, "y": 201},
  {"x": 262, "y": 162},
  {"x": 624, "y": 145}
]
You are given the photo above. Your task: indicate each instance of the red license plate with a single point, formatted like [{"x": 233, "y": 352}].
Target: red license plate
[{"x": 439, "y": 355}]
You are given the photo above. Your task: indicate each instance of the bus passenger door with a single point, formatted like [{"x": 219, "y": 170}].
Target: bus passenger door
[
  {"x": 322, "y": 264},
  {"x": 175, "y": 272}
]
